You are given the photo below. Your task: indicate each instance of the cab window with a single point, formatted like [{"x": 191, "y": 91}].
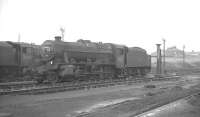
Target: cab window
[{"x": 47, "y": 49}]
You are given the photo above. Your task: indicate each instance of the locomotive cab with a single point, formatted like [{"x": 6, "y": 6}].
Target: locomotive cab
[{"x": 47, "y": 50}]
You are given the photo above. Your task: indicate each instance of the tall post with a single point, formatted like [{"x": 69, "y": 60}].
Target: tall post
[
  {"x": 158, "y": 67},
  {"x": 183, "y": 55},
  {"x": 164, "y": 56},
  {"x": 19, "y": 54},
  {"x": 20, "y": 51}
]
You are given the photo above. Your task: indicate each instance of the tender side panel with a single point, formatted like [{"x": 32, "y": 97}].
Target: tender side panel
[
  {"x": 137, "y": 58},
  {"x": 7, "y": 55}
]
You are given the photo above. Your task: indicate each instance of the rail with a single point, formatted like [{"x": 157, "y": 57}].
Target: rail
[
  {"x": 34, "y": 88},
  {"x": 156, "y": 108}
]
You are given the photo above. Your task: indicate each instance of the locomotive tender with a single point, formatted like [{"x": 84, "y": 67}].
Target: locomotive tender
[
  {"x": 85, "y": 60},
  {"x": 16, "y": 57}
]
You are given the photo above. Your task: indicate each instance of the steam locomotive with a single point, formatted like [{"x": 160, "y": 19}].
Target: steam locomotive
[
  {"x": 57, "y": 61},
  {"x": 85, "y": 60}
]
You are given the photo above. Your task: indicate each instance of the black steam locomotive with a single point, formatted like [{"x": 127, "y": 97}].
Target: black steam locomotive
[{"x": 86, "y": 60}]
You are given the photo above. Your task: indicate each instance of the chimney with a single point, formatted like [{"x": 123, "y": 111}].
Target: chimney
[{"x": 58, "y": 38}]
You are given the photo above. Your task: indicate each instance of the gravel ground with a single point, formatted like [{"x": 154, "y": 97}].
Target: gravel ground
[
  {"x": 65, "y": 104},
  {"x": 132, "y": 108},
  {"x": 187, "y": 107}
]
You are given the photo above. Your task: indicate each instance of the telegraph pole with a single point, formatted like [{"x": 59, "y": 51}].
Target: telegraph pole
[
  {"x": 164, "y": 56},
  {"x": 19, "y": 55},
  {"x": 183, "y": 55}
]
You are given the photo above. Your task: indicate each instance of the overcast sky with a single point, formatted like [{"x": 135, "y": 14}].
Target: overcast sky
[{"x": 140, "y": 23}]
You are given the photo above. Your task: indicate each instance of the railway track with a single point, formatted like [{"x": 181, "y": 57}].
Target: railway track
[
  {"x": 156, "y": 110},
  {"x": 34, "y": 88},
  {"x": 154, "y": 106}
]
